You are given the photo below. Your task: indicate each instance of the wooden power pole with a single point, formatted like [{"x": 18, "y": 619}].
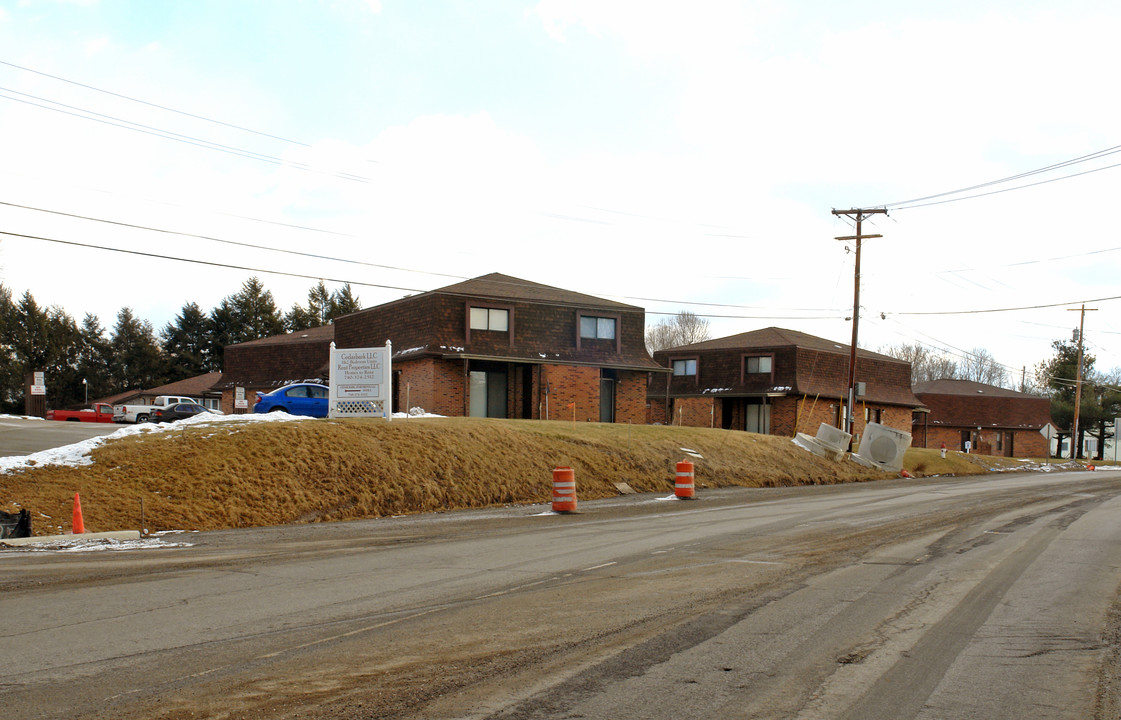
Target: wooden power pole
[
  {"x": 858, "y": 216},
  {"x": 1074, "y": 441}
]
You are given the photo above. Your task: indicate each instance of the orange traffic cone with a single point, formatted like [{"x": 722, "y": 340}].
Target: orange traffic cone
[{"x": 78, "y": 526}]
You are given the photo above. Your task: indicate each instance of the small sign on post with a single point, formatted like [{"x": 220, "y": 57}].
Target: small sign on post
[
  {"x": 240, "y": 403},
  {"x": 360, "y": 382}
]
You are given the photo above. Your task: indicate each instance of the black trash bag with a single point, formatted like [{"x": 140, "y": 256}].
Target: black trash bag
[{"x": 15, "y": 525}]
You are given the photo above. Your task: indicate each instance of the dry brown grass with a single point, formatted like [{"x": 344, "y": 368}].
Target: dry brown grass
[{"x": 229, "y": 475}]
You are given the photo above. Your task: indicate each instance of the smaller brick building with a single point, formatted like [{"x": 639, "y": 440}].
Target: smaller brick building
[
  {"x": 778, "y": 382},
  {"x": 269, "y": 363},
  {"x": 995, "y": 420}
]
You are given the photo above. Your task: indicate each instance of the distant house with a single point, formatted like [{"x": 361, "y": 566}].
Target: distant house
[
  {"x": 995, "y": 420},
  {"x": 269, "y": 363},
  {"x": 201, "y": 387},
  {"x": 502, "y": 347},
  {"x": 778, "y": 382}
]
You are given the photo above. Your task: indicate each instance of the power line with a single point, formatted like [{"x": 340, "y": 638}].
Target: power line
[
  {"x": 156, "y": 105},
  {"x": 227, "y": 242},
  {"x": 177, "y": 137},
  {"x": 207, "y": 262},
  {"x": 1065, "y": 163},
  {"x": 1011, "y": 309},
  {"x": 1018, "y": 187}
]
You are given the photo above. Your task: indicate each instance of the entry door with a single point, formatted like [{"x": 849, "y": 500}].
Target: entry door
[
  {"x": 606, "y": 400},
  {"x": 488, "y": 393}
]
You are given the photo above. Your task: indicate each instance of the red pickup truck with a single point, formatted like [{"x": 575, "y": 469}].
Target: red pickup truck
[{"x": 100, "y": 412}]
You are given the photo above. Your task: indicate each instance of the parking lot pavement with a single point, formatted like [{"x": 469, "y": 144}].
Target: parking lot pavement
[{"x": 19, "y": 436}]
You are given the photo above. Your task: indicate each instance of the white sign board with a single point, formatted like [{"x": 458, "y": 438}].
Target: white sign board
[
  {"x": 38, "y": 389},
  {"x": 239, "y": 399},
  {"x": 40, "y": 378},
  {"x": 361, "y": 382}
]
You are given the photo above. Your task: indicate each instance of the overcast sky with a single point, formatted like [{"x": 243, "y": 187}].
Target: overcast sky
[{"x": 676, "y": 156}]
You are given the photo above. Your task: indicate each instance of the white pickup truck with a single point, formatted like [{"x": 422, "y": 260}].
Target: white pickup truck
[{"x": 141, "y": 413}]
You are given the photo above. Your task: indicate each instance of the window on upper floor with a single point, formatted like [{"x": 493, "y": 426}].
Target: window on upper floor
[
  {"x": 490, "y": 319},
  {"x": 684, "y": 367},
  {"x": 757, "y": 364},
  {"x": 597, "y": 328}
]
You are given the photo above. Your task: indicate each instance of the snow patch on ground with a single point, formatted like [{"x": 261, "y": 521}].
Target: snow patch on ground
[{"x": 79, "y": 453}]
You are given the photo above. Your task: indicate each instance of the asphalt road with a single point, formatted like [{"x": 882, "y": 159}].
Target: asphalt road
[
  {"x": 23, "y": 437},
  {"x": 991, "y": 597}
]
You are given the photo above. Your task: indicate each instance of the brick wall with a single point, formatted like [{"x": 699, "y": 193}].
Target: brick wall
[
  {"x": 630, "y": 398},
  {"x": 1024, "y": 443},
  {"x": 572, "y": 384},
  {"x": 693, "y": 411},
  {"x": 433, "y": 384}
]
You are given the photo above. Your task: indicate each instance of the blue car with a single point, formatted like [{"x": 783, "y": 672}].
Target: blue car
[{"x": 298, "y": 399}]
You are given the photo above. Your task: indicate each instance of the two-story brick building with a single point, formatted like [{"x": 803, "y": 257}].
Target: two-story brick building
[
  {"x": 995, "y": 420},
  {"x": 777, "y": 381},
  {"x": 500, "y": 346}
]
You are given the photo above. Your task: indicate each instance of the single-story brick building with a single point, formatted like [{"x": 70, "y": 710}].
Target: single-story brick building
[
  {"x": 500, "y": 346},
  {"x": 995, "y": 420},
  {"x": 778, "y": 382},
  {"x": 269, "y": 363}
]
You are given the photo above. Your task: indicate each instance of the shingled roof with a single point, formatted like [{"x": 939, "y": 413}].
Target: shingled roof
[
  {"x": 964, "y": 403},
  {"x": 505, "y": 287},
  {"x": 781, "y": 337}
]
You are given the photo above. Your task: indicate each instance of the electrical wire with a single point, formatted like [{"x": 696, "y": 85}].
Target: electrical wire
[
  {"x": 211, "y": 263},
  {"x": 1010, "y": 178},
  {"x": 177, "y": 137},
  {"x": 228, "y": 242},
  {"x": 156, "y": 105}
]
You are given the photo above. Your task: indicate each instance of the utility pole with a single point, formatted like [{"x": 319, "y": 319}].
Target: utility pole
[
  {"x": 858, "y": 216},
  {"x": 1074, "y": 441}
]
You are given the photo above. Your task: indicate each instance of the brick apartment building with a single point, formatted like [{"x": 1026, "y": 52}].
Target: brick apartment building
[
  {"x": 778, "y": 382},
  {"x": 995, "y": 420},
  {"x": 499, "y": 346}
]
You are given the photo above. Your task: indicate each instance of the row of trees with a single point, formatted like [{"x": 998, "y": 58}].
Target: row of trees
[{"x": 86, "y": 360}]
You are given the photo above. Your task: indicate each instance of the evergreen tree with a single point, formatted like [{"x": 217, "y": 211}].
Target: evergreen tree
[
  {"x": 255, "y": 312},
  {"x": 187, "y": 344},
  {"x": 137, "y": 360},
  {"x": 249, "y": 314},
  {"x": 343, "y": 302},
  {"x": 1059, "y": 375},
  {"x": 94, "y": 359},
  {"x": 11, "y": 380},
  {"x": 36, "y": 339},
  {"x": 315, "y": 314}
]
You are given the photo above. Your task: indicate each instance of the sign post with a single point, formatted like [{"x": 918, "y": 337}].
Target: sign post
[{"x": 360, "y": 382}]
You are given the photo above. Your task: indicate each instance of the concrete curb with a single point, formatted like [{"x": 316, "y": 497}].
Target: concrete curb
[{"x": 47, "y": 539}]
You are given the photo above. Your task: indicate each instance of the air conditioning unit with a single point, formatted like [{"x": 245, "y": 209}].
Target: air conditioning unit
[
  {"x": 833, "y": 437},
  {"x": 882, "y": 447}
]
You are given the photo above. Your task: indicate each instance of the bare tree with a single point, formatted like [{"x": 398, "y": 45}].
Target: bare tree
[
  {"x": 684, "y": 328},
  {"x": 925, "y": 364},
  {"x": 980, "y": 366}
]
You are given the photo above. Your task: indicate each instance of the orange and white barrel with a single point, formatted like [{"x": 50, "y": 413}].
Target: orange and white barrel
[
  {"x": 683, "y": 483},
  {"x": 564, "y": 490}
]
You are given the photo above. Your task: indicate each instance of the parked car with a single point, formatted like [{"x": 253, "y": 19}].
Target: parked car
[
  {"x": 298, "y": 399},
  {"x": 171, "y": 413}
]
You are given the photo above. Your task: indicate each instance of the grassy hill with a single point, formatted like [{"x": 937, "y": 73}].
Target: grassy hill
[{"x": 211, "y": 476}]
